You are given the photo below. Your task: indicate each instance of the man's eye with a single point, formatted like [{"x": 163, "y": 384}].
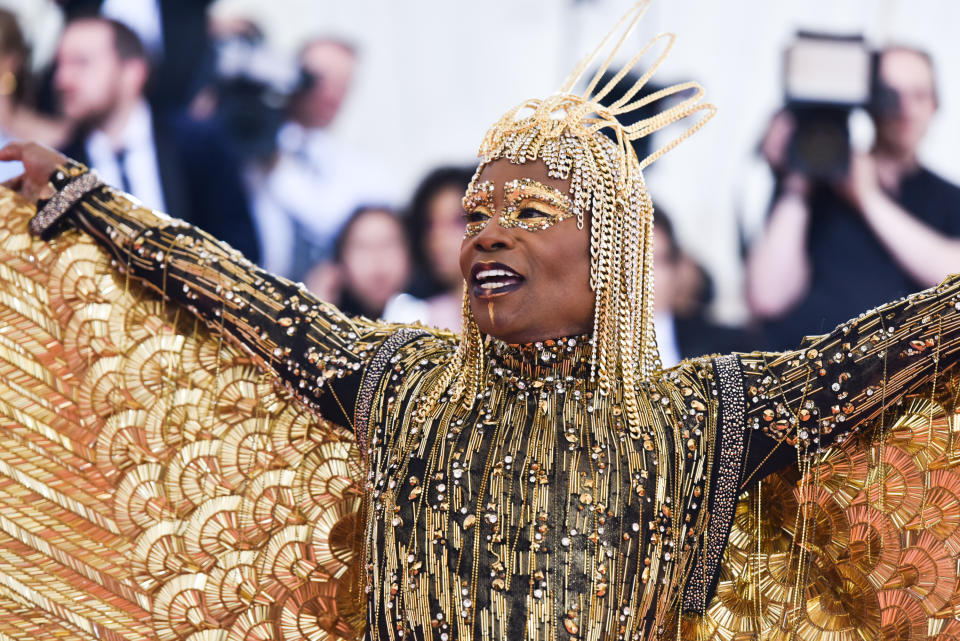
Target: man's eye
[
  {"x": 528, "y": 213},
  {"x": 475, "y": 216}
]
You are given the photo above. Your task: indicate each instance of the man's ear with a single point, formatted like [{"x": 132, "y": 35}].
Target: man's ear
[{"x": 136, "y": 73}]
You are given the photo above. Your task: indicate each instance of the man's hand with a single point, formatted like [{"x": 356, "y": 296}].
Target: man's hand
[
  {"x": 775, "y": 143},
  {"x": 920, "y": 250},
  {"x": 862, "y": 185},
  {"x": 39, "y": 162}
]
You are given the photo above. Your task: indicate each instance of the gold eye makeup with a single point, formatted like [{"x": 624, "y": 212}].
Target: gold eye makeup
[
  {"x": 478, "y": 208},
  {"x": 528, "y": 204},
  {"x": 533, "y": 206}
]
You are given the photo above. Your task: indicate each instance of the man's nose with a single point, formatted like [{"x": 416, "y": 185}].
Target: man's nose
[{"x": 493, "y": 236}]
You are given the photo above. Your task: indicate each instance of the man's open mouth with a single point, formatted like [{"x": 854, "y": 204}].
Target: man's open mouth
[{"x": 488, "y": 280}]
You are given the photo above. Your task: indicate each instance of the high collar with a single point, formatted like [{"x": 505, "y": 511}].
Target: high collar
[{"x": 548, "y": 362}]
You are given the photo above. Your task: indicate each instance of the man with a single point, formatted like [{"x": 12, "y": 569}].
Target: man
[
  {"x": 174, "y": 33},
  {"x": 317, "y": 181},
  {"x": 169, "y": 163},
  {"x": 892, "y": 227}
]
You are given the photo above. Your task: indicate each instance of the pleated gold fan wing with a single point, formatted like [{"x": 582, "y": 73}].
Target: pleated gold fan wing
[
  {"x": 866, "y": 546},
  {"x": 154, "y": 483}
]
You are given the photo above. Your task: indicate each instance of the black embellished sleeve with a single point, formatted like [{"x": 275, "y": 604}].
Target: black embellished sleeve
[
  {"x": 315, "y": 349},
  {"x": 800, "y": 401},
  {"x": 772, "y": 408}
]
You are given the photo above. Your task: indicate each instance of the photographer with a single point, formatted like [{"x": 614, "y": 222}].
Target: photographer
[
  {"x": 318, "y": 178},
  {"x": 891, "y": 226}
]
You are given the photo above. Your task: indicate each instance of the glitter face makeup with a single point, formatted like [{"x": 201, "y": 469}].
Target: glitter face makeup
[
  {"x": 533, "y": 206},
  {"x": 528, "y": 204},
  {"x": 478, "y": 207}
]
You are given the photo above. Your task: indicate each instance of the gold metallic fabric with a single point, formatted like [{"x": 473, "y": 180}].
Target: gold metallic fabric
[
  {"x": 154, "y": 483},
  {"x": 864, "y": 546},
  {"x": 158, "y": 484}
]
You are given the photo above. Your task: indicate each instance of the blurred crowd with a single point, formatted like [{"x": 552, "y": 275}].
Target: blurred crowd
[{"x": 196, "y": 116}]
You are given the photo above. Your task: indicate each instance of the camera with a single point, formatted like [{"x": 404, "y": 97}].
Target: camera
[
  {"x": 826, "y": 77},
  {"x": 254, "y": 86}
]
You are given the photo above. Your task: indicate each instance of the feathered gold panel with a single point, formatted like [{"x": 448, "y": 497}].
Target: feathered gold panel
[
  {"x": 153, "y": 483},
  {"x": 865, "y": 546}
]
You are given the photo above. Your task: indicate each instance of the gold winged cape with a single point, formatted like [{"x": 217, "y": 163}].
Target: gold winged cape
[
  {"x": 863, "y": 546},
  {"x": 155, "y": 484}
]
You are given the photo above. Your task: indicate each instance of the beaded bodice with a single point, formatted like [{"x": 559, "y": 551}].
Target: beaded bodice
[{"x": 537, "y": 514}]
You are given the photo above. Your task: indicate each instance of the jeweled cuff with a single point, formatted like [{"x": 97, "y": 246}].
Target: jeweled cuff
[{"x": 72, "y": 182}]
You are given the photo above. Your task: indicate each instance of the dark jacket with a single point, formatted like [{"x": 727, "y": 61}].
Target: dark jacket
[{"x": 200, "y": 179}]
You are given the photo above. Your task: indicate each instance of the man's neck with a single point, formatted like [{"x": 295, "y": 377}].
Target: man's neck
[
  {"x": 114, "y": 125},
  {"x": 893, "y": 164}
]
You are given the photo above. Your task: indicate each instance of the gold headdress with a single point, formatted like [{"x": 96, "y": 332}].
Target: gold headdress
[{"x": 565, "y": 131}]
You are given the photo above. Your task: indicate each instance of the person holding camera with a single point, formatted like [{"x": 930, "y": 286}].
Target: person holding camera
[
  {"x": 889, "y": 227},
  {"x": 317, "y": 179}
]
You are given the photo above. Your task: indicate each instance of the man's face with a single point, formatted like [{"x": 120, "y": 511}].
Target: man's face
[
  {"x": 526, "y": 263},
  {"x": 90, "y": 75},
  {"x": 909, "y": 78},
  {"x": 331, "y": 65},
  {"x": 664, "y": 270}
]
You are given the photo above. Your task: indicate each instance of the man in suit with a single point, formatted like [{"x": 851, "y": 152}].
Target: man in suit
[
  {"x": 169, "y": 162},
  {"x": 174, "y": 33}
]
